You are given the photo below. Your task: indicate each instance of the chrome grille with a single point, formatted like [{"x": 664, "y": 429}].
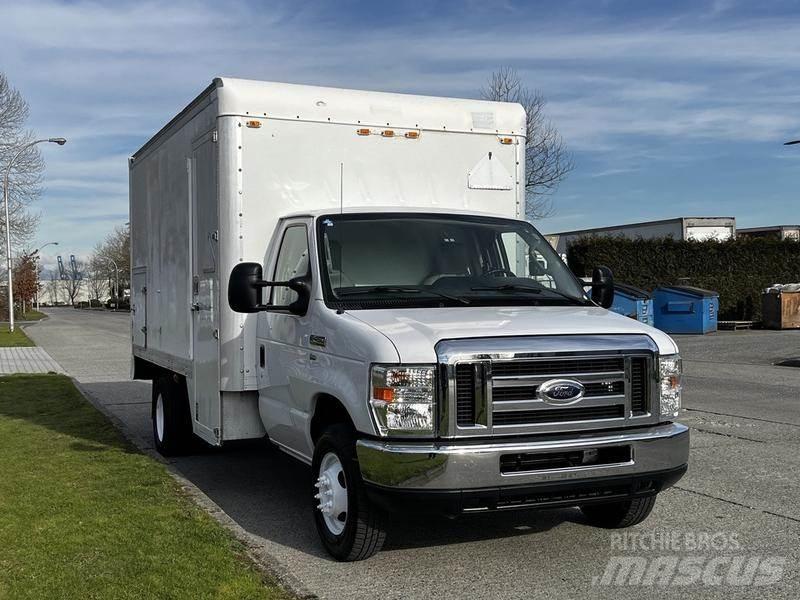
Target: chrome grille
[
  {"x": 465, "y": 394},
  {"x": 598, "y": 388},
  {"x": 495, "y": 392},
  {"x": 560, "y": 415},
  {"x": 557, "y": 367},
  {"x": 639, "y": 387}
]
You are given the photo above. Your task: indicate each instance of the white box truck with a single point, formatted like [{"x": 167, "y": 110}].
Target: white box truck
[{"x": 347, "y": 273}]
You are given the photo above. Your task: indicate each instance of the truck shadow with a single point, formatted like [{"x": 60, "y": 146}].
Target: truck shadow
[{"x": 268, "y": 493}]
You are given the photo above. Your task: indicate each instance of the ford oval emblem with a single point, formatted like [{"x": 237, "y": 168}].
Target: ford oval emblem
[{"x": 561, "y": 391}]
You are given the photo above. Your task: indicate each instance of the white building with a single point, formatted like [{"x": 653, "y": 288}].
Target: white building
[
  {"x": 679, "y": 228},
  {"x": 782, "y": 232}
]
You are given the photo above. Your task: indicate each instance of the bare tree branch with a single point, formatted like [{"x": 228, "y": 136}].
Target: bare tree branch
[
  {"x": 74, "y": 283},
  {"x": 547, "y": 160},
  {"x": 116, "y": 246},
  {"x": 26, "y": 173}
]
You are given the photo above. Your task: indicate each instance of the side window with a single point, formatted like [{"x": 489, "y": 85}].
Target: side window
[
  {"x": 525, "y": 260},
  {"x": 292, "y": 262}
]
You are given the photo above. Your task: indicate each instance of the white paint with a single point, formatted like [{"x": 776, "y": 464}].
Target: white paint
[
  {"x": 306, "y": 149},
  {"x": 331, "y": 495}
]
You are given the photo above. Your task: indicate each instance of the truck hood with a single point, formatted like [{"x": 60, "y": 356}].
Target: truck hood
[{"x": 415, "y": 331}]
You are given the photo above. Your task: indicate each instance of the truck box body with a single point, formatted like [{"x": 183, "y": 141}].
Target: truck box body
[{"x": 207, "y": 190}]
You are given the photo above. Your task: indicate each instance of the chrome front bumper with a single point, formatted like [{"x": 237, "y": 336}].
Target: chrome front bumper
[{"x": 461, "y": 465}]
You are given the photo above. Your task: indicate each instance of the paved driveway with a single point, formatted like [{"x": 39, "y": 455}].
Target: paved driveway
[{"x": 740, "y": 501}]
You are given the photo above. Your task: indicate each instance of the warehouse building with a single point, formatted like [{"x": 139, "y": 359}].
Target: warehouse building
[
  {"x": 679, "y": 228},
  {"x": 781, "y": 232}
]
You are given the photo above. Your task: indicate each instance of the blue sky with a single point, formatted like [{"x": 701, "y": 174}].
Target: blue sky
[{"x": 670, "y": 108}]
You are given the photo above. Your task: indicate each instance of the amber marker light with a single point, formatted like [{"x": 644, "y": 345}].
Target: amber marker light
[{"x": 383, "y": 394}]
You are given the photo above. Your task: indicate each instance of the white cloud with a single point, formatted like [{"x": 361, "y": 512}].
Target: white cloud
[{"x": 108, "y": 75}]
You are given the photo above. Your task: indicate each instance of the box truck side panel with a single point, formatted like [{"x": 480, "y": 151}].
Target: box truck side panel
[
  {"x": 205, "y": 268},
  {"x": 160, "y": 226}
]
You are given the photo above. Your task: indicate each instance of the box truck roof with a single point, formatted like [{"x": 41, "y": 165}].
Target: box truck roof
[
  {"x": 313, "y": 103},
  {"x": 287, "y": 101},
  {"x": 386, "y": 209}
]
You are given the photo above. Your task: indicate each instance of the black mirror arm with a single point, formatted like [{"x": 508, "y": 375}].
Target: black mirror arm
[{"x": 298, "y": 284}]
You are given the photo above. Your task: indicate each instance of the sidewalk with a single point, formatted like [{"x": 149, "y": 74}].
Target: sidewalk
[{"x": 27, "y": 360}]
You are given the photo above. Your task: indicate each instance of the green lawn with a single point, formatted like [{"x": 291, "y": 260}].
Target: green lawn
[
  {"x": 85, "y": 515},
  {"x": 17, "y": 339},
  {"x": 31, "y": 315}
]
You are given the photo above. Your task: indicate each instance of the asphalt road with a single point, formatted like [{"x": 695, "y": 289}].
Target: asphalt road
[{"x": 741, "y": 497}]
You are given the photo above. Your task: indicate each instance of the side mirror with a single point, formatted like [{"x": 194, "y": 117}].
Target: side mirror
[
  {"x": 245, "y": 285},
  {"x": 244, "y": 291},
  {"x": 603, "y": 286}
]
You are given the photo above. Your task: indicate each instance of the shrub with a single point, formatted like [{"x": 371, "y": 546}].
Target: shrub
[{"x": 738, "y": 269}]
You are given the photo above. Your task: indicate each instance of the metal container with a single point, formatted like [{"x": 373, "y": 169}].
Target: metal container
[
  {"x": 685, "y": 309},
  {"x": 781, "y": 310},
  {"x": 633, "y": 302}
]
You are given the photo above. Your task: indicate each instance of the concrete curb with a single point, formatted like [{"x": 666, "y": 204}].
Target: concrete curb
[{"x": 254, "y": 548}]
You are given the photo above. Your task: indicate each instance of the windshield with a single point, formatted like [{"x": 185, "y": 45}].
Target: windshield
[{"x": 398, "y": 260}]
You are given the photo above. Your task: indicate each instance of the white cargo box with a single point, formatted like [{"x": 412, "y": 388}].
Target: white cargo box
[{"x": 206, "y": 193}]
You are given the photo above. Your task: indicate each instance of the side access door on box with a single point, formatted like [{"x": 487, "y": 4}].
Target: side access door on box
[{"x": 204, "y": 388}]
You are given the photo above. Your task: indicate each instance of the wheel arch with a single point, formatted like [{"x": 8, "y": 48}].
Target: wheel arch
[{"x": 328, "y": 410}]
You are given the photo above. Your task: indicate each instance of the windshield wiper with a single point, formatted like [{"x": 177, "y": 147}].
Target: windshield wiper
[
  {"x": 397, "y": 289},
  {"x": 518, "y": 287}
]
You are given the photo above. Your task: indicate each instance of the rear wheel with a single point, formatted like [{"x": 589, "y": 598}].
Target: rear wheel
[
  {"x": 618, "y": 515},
  {"x": 349, "y": 525},
  {"x": 172, "y": 421}
]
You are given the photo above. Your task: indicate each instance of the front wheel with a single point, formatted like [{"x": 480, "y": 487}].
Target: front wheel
[
  {"x": 617, "y": 515},
  {"x": 350, "y": 526}
]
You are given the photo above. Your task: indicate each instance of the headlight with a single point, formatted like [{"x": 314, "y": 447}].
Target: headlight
[
  {"x": 670, "y": 370},
  {"x": 403, "y": 399}
]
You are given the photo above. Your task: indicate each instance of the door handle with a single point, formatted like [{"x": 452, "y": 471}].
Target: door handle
[{"x": 312, "y": 356}]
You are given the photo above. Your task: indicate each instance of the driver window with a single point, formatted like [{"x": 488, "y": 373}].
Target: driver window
[
  {"x": 292, "y": 262},
  {"x": 525, "y": 260}
]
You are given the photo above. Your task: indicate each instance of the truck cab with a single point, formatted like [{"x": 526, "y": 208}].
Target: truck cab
[{"x": 452, "y": 362}]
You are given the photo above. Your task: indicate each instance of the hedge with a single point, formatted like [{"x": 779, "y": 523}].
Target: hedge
[{"x": 739, "y": 269}]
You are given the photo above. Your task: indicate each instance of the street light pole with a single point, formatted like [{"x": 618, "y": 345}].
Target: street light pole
[
  {"x": 60, "y": 142},
  {"x": 35, "y": 255}
]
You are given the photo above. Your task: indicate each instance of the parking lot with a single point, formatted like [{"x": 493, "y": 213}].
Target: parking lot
[{"x": 739, "y": 504}]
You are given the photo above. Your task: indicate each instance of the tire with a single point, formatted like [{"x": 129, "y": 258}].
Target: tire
[
  {"x": 172, "y": 421},
  {"x": 359, "y": 529},
  {"x": 618, "y": 515}
]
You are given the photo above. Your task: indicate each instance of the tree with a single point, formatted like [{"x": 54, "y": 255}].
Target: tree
[
  {"x": 97, "y": 281},
  {"x": 547, "y": 160},
  {"x": 53, "y": 287},
  {"x": 117, "y": 247},
  {"x": 74, "y": 284},
  {"x": 100, "y": 278},
  {"x": 25, "y": 280},
  {"x": 26, "y": 172}
]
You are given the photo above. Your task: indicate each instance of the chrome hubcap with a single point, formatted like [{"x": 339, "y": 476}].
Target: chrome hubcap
[
  {"x": 160, "y": 418},
  {"x": 332, "y": 493}
]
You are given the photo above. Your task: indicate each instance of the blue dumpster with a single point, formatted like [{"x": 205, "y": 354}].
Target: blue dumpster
[
  {"x": 685, "y": 309},
  {"x": 633, "y": 302}
]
